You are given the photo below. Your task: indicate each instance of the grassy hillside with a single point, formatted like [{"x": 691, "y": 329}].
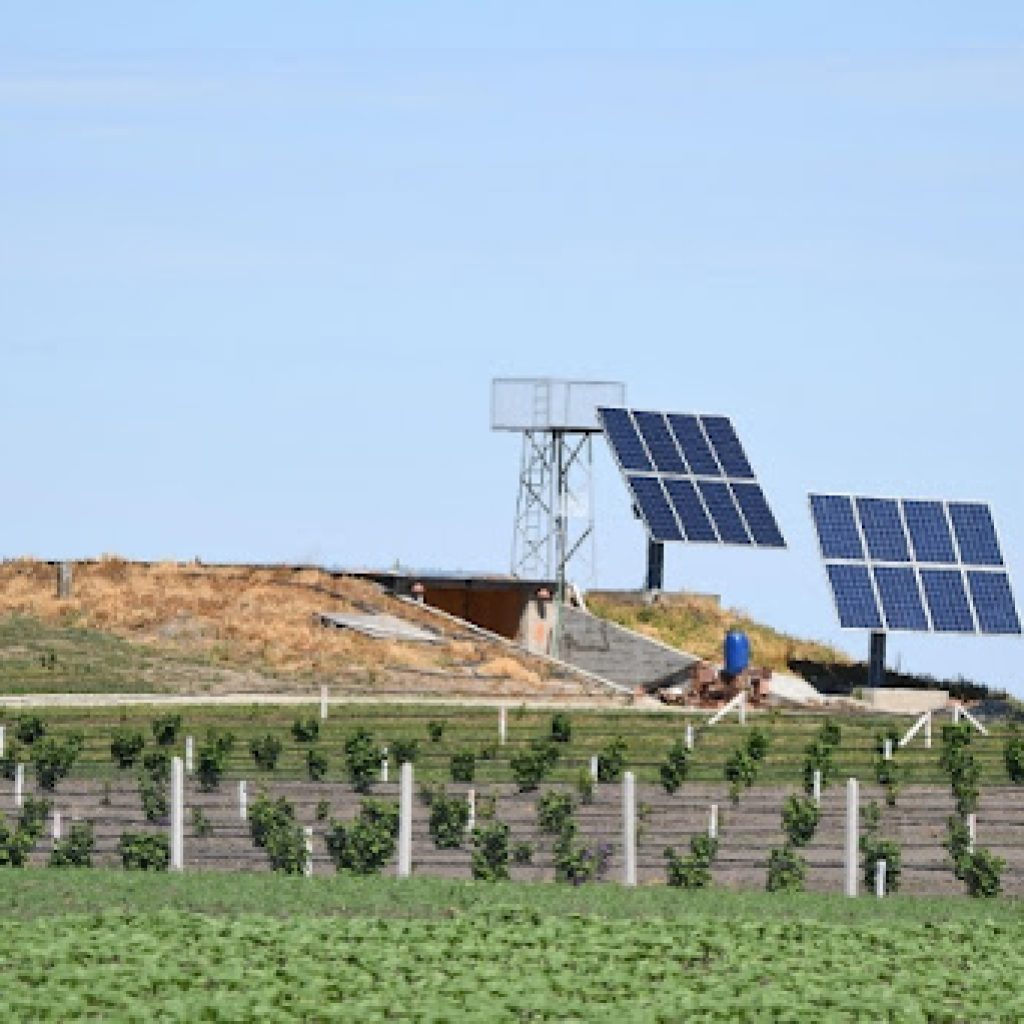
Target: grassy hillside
[{"x": 698, "y": 625}]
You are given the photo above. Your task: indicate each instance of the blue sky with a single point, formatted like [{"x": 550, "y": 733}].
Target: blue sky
[{"x": 259, "y": 263}]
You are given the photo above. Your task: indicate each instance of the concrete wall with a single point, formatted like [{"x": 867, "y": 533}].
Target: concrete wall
[{"x": 905, "y": 701}]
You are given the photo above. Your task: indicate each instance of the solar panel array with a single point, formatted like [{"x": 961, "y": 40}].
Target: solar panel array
[
  {"x": 689, "y": 478},
  {"x": 901, "y": 564}
]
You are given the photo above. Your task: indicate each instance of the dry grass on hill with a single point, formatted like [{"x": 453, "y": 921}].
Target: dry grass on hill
[
  {"x": 256, "y": 619},
  {"x": 698, "y": 625}
]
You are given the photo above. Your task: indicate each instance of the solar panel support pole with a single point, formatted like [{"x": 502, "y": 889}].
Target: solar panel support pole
[
  {"x": 655, "y": 565},
  {"x": 852, "y": 823},
  {"x": 876, "y": 661}
]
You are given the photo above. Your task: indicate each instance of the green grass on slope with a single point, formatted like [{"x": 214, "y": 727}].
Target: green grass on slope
[{"x": 420, "y": 950}]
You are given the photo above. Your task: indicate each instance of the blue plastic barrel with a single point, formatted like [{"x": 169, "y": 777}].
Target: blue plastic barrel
[{"x": 737, "y": 652}]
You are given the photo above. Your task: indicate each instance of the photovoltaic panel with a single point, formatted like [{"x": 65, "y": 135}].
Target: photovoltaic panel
[
  {"x": 883, "y": 530},
  {"x": 752, "y": 503},
  {"x": 660, "y": 443},
  {"x": 927, "y": 565},
  {"x": 694, "y": 445},
  {"x": 720, "y": 503},
  {"x": 947, "y": 600},
  {"x": 900, "y": 597},
  {"x": 690, "y": 510},
  {"x": 929, "y": 531},
  {"x": 854, "y": 595},
  {"x": 993, "y": 601},
  {"x": 654, "y": 507},
  {"x": 690, "y": 478},
  {"x": 727, "y": 447},
  {"x": 975, "y": 534},
  {"x": 625, "y": 441},
  {"x": 837, "y": 527}
]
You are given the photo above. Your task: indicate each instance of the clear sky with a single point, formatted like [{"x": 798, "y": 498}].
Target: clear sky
[{"x": 259, "y": 263}]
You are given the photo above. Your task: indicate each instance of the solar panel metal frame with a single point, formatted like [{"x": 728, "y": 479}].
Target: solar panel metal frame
[
  {"x": 917, "y": 564},
  {"x": 720, "y": 477}
]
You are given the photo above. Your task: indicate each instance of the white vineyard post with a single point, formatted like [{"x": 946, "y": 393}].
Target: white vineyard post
[
  {"x": 629, "y": 828},
  {"x": 972, "y": 830},
  {"x": 405, "y": 821},
  {"x": 880, "y": 868},
  {"x": 502, "y": 724},
  {"x": 713, "y": 822},
  {"x": 19, "y": 785},
  {"x": 323, "y": 703},
  {"x": 852, "y": 824},
  {"x": 384, "y": 766},
  {"x": 887, "y": 749},
  {"x": 177, "y": 814},
  {"x": 471, "y": 819},
  {"x": 743, "y": 709},
  {"x": 190, "y": 747},
  {"x": 243, "y": 800},
  {"x": 956, "y": 714},
  {"x": 593, "y": 768},
  {"x": 928, "y": 732},
  {"x": 307, "y": 866},
  {"x": 56, "y": 825},
  {"x": 3, "y": 739},
  {"x": 816, "y": 787},
  {"x": 689, "y": 736}
]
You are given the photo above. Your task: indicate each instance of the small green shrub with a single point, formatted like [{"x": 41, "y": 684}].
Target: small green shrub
[
  {"x": 740, "y": 772},
  {"x": 675, "y": 767},
  {"x": 10, "y": 761},
  {"x": 585, "y": 786},
  {"x": 323, "y": 810},
  {"x": 786, "y": 870},
  {"x": 531, "y": 765},
  {"x": 155, "y": 800},
  {"x": 757, "y": 744},
  {"x": 145, "y": 851},
  {"x": 830, "y": 734},
  {"x": 201, "y": 824},
  {"x": 274, "y": 829},
  {"x": 577, "y": 862},
  {"x": 265, "y": 751},
  {"x": 405, "y": 751},
  {"x": 449, "y": 816},
  {"x": 157, "y": 765},
  {"x": 611, "y": 761},
  {"x": 561, "y": 727},
  {"x": 983, "y": 874},
  {"x": 213, "y": 757},
  {"x": 165, "y": 729},
  {"x": 463, "y": 766},
  {"x": 126, "y": 746},
  {"x": 435, "y": 730},
  {"x": 316, "y": 764},
  {"x": 818, "y": 757},
  {"x": 30, "y": 728},
  {"x": 693, "y": 871},
  {"x": 489, "y": 862},
  {"x": 53, "y": 758},
  {"x": 15, "y": 845},
  {"x": 888, "y": 774},
  {"x": 958, "y": 844},
  {"x": 306, "y": 730},
  {"x": 75, "y": 849},
  {"x": 522, "y": 853},
  {"x": 873, "y": 848},
  {"x": 33, "y": 816},
  {"x": 362, "y": 759},
  {"x": 366, "y": 844},
  {"x": 1013, "y": 757},
  {"x": 800, "y": 816},
  {"x": 554, "y": 811}
]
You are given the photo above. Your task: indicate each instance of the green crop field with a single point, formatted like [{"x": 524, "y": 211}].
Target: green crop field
[
  {"x": 648, "y": 736},
  {"x": 112, "y": 946}
]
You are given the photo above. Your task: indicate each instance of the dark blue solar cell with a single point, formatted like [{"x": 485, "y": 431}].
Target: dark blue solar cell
[
  {"x": 719, "y": 501},
  {"x": 694, "y": 445},
  {"x": 763, "y": 527},
  {"x": 625, "y": 441},
  {"x": 947, "y": 600},
  {"x": 654, "y": 507},
  {"x": 855, "y": 597},
  {"x": 993, "y": 601},
  {"x": 837, "y": 528},
  {"x": 975, "y": 533},
  {"x": 660, "y": 442},
  {"x": 929, "y": 531},
  {"x": 883, "y": 529},
  {"x": 901, "y": 597},
  {"x": 687, "y": 504},
  {"x": 727, "y": 447}
]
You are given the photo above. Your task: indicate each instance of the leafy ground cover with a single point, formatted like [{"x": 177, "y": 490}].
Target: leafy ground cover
[
  {"x": 111, "y": 946},
  {"x": 648, "y": 735}
]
